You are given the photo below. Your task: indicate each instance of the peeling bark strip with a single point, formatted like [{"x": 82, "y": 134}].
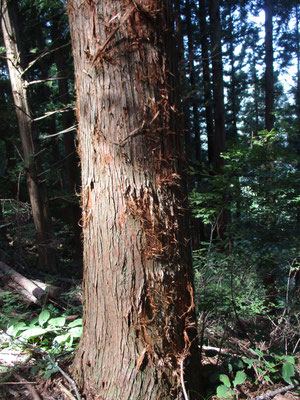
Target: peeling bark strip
[{"x": 139, "y": 321}]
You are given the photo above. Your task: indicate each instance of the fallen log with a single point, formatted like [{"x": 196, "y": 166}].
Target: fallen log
[
  {"x": 39, "y": 290},
  {"x": 52, "y": 291}
]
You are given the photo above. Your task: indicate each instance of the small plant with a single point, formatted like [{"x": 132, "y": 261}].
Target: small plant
[
  {"x": 235, "y": 376},
  {"x": 49, "y": 337},
  {"x": 272, "y": 368}
]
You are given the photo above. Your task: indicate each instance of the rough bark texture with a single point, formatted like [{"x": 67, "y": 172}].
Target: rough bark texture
[
  {"x": 269, "y": 77},
  {"x": 37, "y": 194},
  {"x": 139, "y": 321}
]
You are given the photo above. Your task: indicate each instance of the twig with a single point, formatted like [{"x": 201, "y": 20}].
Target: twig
[
  {"x": 275, "y": 392},
  {"x": 185, "y": 395},
  {"x": 17, "y": 383},
  {"x": 31, "y": 388},
  {"x": 49, "y": 113},
  {"x": 295, "y": 348},
  {"x": 45, "y": 53},
  {"x": 72, "y": 128},
  {"x": 45, "y": 80},
  {"x": 66, "y": 391},
  {"x": 71, "y": 381}
]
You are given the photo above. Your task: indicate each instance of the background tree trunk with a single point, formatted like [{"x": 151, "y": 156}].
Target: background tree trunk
[
  {"x": 269, "y": 77},
  {"x": 71, "y": 156},
  {"x": 207, "y": 82},
  {"x": 139, "y": 322},
  {"x": 37, "y": 191},
  {"x": 218, "y": 87}
]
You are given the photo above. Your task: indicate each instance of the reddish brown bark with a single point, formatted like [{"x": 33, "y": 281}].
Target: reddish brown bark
[{"x": 139, "y": 321}]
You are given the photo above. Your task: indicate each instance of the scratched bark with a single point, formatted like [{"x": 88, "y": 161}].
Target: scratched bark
[{"x": 138, "y": 297}]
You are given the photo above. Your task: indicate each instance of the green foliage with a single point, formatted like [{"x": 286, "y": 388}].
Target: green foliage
[
  {"x": 226, "y": 389},
  {"x": 260, "y": 190},
  {"x": 51, "y": 338},
  {"x": 48, "y": 336},
  {"x": 272, "y": 368}
]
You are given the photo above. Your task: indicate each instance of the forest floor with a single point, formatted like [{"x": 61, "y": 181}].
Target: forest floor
[{"x": 238, "y": 357}]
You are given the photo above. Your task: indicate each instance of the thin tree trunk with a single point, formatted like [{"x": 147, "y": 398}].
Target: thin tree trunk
[
  {"x": 37, "y": 194},
  {"x": 72, "y": 159},
  {"x": 207, "y": 82},
  {"x": 139, "y": 322},
  {"x": 183, "y": 81},
  {"x": 269, "y": 74},
  {"x": 256, "y": 95},
  {"x": 193, "y": 84},
  {"x": 218, "y": 87},
  {"x": 232, "y": 92},
  {"x": 219, "y": 109}
]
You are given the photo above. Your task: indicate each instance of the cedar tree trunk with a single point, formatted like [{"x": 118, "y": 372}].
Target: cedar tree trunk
[
  {"x": 37, "y": 193},
  {"x": 269, "y": 77},
  {"x": 218, "y": 86},
  {"x": 139, "y": 322},
  {"x": 207, "y": 83}
]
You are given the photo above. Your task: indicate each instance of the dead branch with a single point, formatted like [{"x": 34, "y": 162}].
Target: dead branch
[
  {"x": 45, "y": 80},
  {"x": 273, "y": 393},
  {"x": 45, "y": 53},
  {"x": 71, "y": 381},
  {"x": 29, "y": 386},
  {"x": 72, "y": 128},
  {"x": 49, "y": 113}
]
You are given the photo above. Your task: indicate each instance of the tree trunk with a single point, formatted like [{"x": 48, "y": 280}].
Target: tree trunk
[
  {"x": 183, "y": 81},
  {"x": 233, "y": 84},
  {"x": 139, "y": 322},
  {"x": 207, "y": 82},
  {"x": 219, "y": 109},
  {"x": 269, "y": 77},
  {"x": 72, "y": 159},
  {"x": 37, "y": 194},
  {"x": 193, "y": 84},
  {"x": 218, "y": 87}
]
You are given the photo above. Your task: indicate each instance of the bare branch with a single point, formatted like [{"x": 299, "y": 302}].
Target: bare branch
[
  {"x": 45, "y": 53},
  {"x": 44, "y": 80},
  {"x": 72, "y": 128},
  {"x": 49, "y": 113}
]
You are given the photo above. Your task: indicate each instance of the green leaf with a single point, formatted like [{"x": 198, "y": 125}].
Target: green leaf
[
  {"x": 62, "y": 338},
  {"x": 239, "y": 378},
  {"x": 223, "y": 392},
  {"x": 33, "y": 332},
  {"x": 60, "y": 321},
  {"x": 43, "y": 317},
  {"x": 76, "y": 322},
  {"x": 76, "y": 332},
  {"x": 268, "y": 379},
  {"x": 224, "y": 379},
  {"x": 289, "y": 359},
  {"x": 21, "y": 326},
  {"x": 288, "y": 371}
]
